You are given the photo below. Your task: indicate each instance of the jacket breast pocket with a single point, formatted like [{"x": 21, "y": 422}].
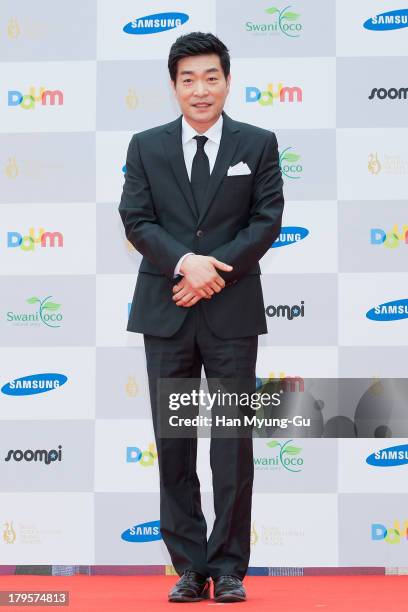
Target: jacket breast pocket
[{"x": 241, "y": 182}]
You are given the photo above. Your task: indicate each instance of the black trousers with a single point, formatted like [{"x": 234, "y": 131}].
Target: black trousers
[{"x": 183, "y": 526}]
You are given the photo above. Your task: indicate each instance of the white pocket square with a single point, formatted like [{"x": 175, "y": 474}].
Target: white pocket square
[{"x": 238, "y": 169}]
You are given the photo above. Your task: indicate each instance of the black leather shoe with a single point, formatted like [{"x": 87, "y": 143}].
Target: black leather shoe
[
  {"x": 192, "y": 586},
  {"x": 229, "y": 588}
]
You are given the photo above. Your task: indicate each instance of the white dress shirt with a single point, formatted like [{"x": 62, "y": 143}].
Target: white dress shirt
[{"x": 189, "y": 150}]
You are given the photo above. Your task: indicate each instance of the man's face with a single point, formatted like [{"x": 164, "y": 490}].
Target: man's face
[{"x": 201, "y": 89}]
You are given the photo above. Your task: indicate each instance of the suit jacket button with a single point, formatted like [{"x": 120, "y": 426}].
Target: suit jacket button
[{"x": 200, "y": 233}]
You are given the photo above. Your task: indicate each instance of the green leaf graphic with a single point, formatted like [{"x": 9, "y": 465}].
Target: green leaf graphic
[
  {"x": 51, "y": 306},
  {"x": 290, "y": 16},
  {"x": 292, "y": 450},
  {"x": 272, "y": 444},
  {"x": 272, "y": 10},
  {"x": 291, "y": 157},
  {"x": 33, "y": 300}
]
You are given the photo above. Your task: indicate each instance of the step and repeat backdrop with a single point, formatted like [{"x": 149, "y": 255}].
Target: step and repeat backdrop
[{"x": 78, "y": 465}]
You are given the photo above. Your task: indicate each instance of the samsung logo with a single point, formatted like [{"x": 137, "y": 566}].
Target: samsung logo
[
  {"x": 393, "y": 20},
  {"x": 153, "y": 24},
  {"x": 290, "y": 235},
  {"x": 33, "y": 384},
  {"x": 389, "y": 457},
  {"x": 145, "y": 532},
  {"x": 390, "y": 311}
]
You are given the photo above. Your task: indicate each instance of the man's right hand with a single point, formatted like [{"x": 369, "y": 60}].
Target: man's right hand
[{"x": 200, "y": 272}]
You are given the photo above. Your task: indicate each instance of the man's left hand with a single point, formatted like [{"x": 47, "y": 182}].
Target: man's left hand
[{"x": 184, "y": 295}]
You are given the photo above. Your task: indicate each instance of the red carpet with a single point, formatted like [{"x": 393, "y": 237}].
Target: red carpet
[{"x": 275, "y": 594}]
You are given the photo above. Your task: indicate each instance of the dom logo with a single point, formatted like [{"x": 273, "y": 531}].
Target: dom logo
[
  {"x": 285, "y": 311},
  {"x": 34, "y": 384},
  {"x": 391, "y": 535},
  {"x": 29, "y": 242},
  {"x": 46, "y": 314},
  {"x": 144, "y": 458},
  {"x": 290, "y": 235},
  {"x": 389, "y": 311},
  {"x": 392, "y": 20},
  {"x": 269, "y": 96},
  {"x": 29, "y": 101},
  {"x": 288, "y": 162},
  {"x": 389, "y": 457},
  {"x": 145, "y": 532},
  {"x": 42, "y": 456},
  {"x": 391, "y": 239},
  {"x": 154, "y": 24}
]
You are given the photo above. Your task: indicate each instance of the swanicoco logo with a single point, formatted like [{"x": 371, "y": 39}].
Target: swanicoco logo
[
  {"x": 287, "y": 457},
  {"x": 390, "y": 311},
  {"x": 29, "y": 101},
  {"x": 267, "y": 97},
  {"x": 288, "y": 162},
  {"x": 34, "y": 384},
  {"x": 46, "y": 314},
  {"x": 393, "y": 93},
  {"x": 390, "y": 164},
  {"x": 144, "y": 458},
  {"x": 42, "y": 456},
  {"x": 154, "y": 24},
  {"x": 389, "y": 457},
  {"x": 285, "y": 311},
  {"x": 290, "y": 235},
  {"x": 284, "y": 22},
  {"x": 392, "y": 535},
  {"x": 392, "y": 20},
  {"x": 390, "y": 240},
  {"x": 145, "y": 532},
  {"x": 28, "y": 242}
]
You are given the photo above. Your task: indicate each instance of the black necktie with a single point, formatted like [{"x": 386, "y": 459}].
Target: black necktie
[{"x": 200, "y": 173}]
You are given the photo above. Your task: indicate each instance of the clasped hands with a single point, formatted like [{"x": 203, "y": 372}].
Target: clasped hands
[{"x": 201, "y": 279}]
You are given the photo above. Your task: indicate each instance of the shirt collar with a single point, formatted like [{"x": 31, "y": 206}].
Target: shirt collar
[{"x": 213, "y": 133}]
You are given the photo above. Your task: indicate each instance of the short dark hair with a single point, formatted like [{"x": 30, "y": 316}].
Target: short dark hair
[{"x": 197, "y": 43}]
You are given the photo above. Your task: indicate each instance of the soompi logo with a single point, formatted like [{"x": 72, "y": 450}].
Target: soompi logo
[
  {"x": 28, "y": 101},
  {"x": 144, "y": 458},
  {"x": 392, "y": 20},
  {"x": 392, "y": 535},
  {"x": 393, "y": 93},
  {"x": 286, "y": 311},
  {"x": 267, "y": 97},
  {"x": 42, "y": 455},
  {"x": 389, "y": 311},
  {"x": 28, "y": 242},
  {"x": 390, "y": 240},
  {"x": 154, "y": 24}
]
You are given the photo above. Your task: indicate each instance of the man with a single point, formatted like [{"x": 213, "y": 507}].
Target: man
[{"x": 202, "y": 201}]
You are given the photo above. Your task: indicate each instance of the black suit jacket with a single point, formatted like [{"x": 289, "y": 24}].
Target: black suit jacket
[{"x": 241, "y": 220}]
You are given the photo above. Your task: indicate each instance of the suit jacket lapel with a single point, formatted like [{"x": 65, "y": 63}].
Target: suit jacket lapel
[
  {"x": 227, "y": 148},
  {"x": 174, "y": 151}
]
